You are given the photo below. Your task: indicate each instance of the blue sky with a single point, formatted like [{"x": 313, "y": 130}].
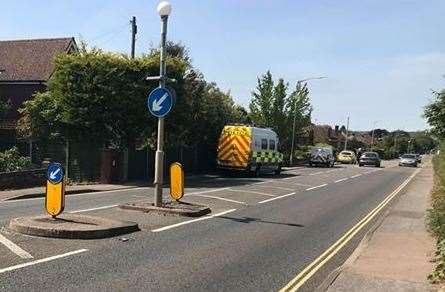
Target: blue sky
[{"x": 382, "y": 58}]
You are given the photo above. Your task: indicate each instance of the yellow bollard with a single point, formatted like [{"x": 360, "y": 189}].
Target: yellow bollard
[{"x": 176, "y": 181}]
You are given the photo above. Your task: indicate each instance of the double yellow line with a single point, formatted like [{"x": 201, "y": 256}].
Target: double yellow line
[{"x": 312, "y": 268}]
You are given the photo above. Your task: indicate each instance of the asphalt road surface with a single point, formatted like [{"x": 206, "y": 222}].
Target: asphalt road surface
[{"x": 262, "y": 233}]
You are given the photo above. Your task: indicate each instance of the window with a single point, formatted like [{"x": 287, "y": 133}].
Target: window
[
  {"x": 264, "y": 144},
  {"x": 271, "y": 144}
]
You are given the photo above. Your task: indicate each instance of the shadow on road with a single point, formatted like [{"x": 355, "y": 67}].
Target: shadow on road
[{"x": 250, "y": 220}]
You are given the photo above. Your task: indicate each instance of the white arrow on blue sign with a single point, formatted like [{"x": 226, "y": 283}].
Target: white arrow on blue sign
[
  {"x": 160, "y": 102},
  {"x": 55, "y": 173}
]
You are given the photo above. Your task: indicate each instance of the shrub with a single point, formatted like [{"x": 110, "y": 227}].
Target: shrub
[{"x": 11, "y": 160}]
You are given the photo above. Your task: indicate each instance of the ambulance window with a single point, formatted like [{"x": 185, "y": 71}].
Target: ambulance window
[
  {"x": 257, "y": 144},
  {"x": 271, "y": 144},
  {"x": 264, "y": 144}
]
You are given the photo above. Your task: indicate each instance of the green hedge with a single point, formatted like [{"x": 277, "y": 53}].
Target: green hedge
[{"x": 436, "y": 216}]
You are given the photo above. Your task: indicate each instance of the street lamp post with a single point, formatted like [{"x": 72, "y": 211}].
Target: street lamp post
[
  {"x": 298, "y": 88},
  {"x": 164, "y": 10}
]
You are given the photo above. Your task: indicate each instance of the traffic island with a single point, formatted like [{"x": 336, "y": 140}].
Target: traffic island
[
  {"x": 169, "y": 208},
  {"x": 71, "y": 226}
]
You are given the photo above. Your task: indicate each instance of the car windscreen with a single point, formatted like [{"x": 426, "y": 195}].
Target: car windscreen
[
  {"x": 370, "y": 155},
  {"x": 412, "y": 156},
  {"x": 346, "y": 153}
]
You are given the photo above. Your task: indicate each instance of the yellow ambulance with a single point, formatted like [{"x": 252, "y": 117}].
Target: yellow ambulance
[{"x": 250, "y": 149}]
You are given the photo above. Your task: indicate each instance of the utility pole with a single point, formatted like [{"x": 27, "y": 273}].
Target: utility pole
[
  {"x": 347, "y": 134},
  {"x": 134, "y": 31}
]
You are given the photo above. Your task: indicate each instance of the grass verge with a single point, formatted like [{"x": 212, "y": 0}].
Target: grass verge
[{"x": 436, "y": 216}]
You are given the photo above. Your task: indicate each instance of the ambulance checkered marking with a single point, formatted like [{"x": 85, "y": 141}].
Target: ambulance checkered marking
[{"x": 272, "y": 157}]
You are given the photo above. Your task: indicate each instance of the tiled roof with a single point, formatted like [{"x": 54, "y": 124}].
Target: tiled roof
[{"x": 31, "y": 60}]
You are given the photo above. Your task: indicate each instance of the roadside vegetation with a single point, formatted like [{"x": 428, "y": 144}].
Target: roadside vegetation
[
  {"x": 435, "y": 115},
  {"x": 11, "y": 160}
]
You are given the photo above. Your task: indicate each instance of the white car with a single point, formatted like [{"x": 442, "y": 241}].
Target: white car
[{"x": 408, "y": 160}]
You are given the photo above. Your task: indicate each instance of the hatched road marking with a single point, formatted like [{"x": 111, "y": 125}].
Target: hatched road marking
[
  {"x": 192, "y": 221},
  {"x": 276, "y": 198},
  {"x": 93, "y": 209},
  {"x": 340, "y": 180},
  {"x": 15, "y": 248},
  {"x": 220, "y": 198},
  {"x": 253, "y": 192},
  {"x": 316, "y": 187}
]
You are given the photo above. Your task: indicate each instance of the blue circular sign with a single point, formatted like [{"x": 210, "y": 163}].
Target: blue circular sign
[
  {"x": 55, "y": 173},
  {"x": 160, "y": 102}
]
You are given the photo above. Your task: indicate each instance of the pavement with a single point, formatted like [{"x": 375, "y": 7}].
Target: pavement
[
  {"x": 263, "y": 234},
  {"x": 397, "y": 255}
]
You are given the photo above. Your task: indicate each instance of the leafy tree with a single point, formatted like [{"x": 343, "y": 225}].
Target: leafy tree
[
  {"x": 11, "y": 160},
  {"x": 435, "y": 114},
  {"x": 262, "y": 100}
]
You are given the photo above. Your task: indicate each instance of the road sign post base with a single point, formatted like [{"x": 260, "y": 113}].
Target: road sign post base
[{"x": 174, "y": 208}]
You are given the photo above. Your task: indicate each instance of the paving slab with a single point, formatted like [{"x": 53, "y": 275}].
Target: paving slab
[{"x": 73, "y": 226}]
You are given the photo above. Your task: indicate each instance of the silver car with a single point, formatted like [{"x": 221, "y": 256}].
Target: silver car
[{"x": 408, "y": 160}]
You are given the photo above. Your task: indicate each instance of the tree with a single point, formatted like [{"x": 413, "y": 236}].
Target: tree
[
  {"x": 262, "y": 100},
  {"x": 435, "y": 114},
  {"x": 279, "y": 110}
]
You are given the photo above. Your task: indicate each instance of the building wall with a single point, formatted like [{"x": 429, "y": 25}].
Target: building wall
[{"x": 17, "y": 93}]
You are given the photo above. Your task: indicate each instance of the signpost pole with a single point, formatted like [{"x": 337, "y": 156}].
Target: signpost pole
[{"x": 159, "y": 162}]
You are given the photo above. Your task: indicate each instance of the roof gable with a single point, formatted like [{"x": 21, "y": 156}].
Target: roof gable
[{"x": 31, "y": 60}]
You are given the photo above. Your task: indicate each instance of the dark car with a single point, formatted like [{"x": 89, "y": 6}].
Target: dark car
[{"x": 369, "y": 158}]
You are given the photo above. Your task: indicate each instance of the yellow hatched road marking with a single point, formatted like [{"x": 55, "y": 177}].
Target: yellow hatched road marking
[{"x": 319, "y": 262}]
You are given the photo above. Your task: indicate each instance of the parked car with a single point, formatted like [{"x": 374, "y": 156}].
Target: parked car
[
  {"x": 408, "y": 160},
  {"x": 347, "y": 156},
  {"x": 418, "y": 157},
  {"x": 322, "y": 156},
  {"x": 369, "y": 158}
]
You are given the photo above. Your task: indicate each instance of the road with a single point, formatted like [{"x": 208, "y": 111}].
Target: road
[{"x": 262, "y": 233}]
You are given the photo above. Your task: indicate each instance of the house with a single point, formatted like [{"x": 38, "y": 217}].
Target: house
[{"x": 25, "y": 67}]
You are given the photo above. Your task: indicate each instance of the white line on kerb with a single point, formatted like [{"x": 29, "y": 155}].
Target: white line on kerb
[
  {"x": 192, "y": 221},
  {"x": 220, "y": 198},
  {"x": 276, "y": 198},
  {"x": 12, "y": 268},
  {"x": 15, "y": 248},
  {"x": 357, "y": 175},
  {"x": 342, "y": 179},
  {"x": 253, "y": 192},
  {"x": 93, "y": 209},
  {"x": 316, "y": 187}
]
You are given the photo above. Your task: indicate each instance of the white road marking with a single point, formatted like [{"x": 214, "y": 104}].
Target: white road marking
[
  {"x": 192, "y": 221},
  {"x": 329, "y": 171},
  {"x": 93, "y": 209},
  {"x": 316, "y": 187},
  {"x": 280, "y": 188},
  {"x": 220, "y": 198},
  {"x": 208, "y": 191},
  {"x": 354, "y": 176},
  {"x": 342, "y": 179},
  {"x": 12, "y": 268},
  {"x": 315, "y": 173},
  {"x": 276, "y": 198},
  {"x": 253, "y": 192},
  {"x": 262, "y": 182},
  {"x": 15, "y": 248}
]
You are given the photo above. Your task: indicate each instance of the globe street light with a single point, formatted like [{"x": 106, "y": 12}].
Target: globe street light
[{"x": 298, "y": 89}]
